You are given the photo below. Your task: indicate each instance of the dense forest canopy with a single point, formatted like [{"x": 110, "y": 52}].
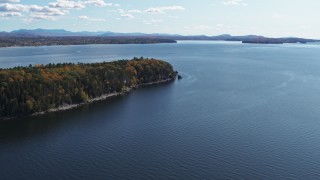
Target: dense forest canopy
[{"x": 26, "y": 90}]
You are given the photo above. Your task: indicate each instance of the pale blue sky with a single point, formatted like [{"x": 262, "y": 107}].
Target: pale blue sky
[{"x": 274, "y": 18}]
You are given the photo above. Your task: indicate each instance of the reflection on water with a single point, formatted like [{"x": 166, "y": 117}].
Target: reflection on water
[{"x": 26, "y": 127}]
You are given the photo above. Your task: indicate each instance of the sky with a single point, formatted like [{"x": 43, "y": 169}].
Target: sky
[{"x": 272, "y": 18}]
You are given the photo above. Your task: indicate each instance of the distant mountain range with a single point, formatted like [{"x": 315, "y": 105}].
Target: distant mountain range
[
  {"x": 223, "y": 37},
  {"x": 47, "y": 32},
  {"x": 62, "y": 32}
]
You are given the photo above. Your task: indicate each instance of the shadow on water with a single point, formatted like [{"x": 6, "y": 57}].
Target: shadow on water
[
  {"x": 23, "y": 128},
  {"x": 32, "y": 126}
]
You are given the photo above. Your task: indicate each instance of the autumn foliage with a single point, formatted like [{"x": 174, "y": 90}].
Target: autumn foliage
[{"x": 26, "y": 90}]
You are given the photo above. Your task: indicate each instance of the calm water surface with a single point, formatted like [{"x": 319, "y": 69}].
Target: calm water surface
[{"x": 240, "y": 112}]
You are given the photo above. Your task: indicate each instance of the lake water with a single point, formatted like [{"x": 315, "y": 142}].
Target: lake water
[{"x": 242, "y": 111}]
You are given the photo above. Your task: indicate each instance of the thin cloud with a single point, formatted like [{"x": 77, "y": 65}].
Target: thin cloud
[
  {"x": 46, "y": 10},
  {"x": 83, "y": 17},
  {"x": 153, "y": 21},
  {"x": 41, "y": 16},
  {"x": 160, "y": 10},
  {"x": 65, "y": 4},
  {"x": 234, "y": 3},
  {"x": 9, "y": 1},
  {"x": 97, "y": 3},
  {"x": 135, "y": 11},
  {"x": 68, "y": 4},
  {"x": 126, "y": 16},
  {"x": 10, "y": 14},
  {"x": 121, "y": 11},
  {"x": 13, "y": 8},
  {"x": 19, "y": 8},
  {"x": 35, "y": 11},
  {"x": 91, "y": 19}
]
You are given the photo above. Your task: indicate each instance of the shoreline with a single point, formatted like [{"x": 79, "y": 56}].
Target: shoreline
[
  {"x": 58, "y": 45},
  {"x": 41, "y": 41},
  {"x": 100, "y": 98},
  {"x": 73, "y": 106}
]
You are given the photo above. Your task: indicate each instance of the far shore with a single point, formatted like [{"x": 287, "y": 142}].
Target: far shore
[{"x": 78, "y": 40}]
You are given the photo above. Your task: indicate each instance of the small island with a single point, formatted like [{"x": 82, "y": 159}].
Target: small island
[
  {"x": 264, "y": 40},
  {"x": 44, "y": 88}
]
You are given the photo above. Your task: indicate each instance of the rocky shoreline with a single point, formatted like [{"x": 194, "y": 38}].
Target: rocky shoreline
[{"x": 100, "y": 98}]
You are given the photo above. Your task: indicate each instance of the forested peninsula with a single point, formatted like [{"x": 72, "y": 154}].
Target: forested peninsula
[{"x": 42, "y": 88}]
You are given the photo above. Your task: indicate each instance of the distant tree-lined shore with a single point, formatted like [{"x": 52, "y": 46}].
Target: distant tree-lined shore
[{"x": 78, "y": 40}]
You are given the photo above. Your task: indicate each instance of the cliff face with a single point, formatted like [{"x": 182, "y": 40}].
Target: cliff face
[{"x": 27, "y": 90}]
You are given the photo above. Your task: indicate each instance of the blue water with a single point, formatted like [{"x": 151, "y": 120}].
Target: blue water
[{"x": 242, "y": 111}]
